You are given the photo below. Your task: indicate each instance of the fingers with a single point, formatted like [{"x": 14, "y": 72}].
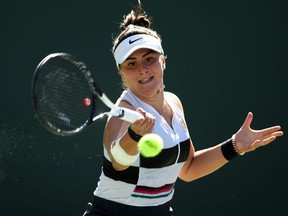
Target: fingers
[
  {"x": 269, "y": 135},
  {"x": 249, "y": 139},
  {"x": 149, "y": 120},
  {"x": 259, "y": 143},
  {"x": 141, "y": 111},
  {"x": 268, "y": 140},
  {"x": 148, "y": 117},
  {"x": 248, "y": 120},
  {"x": 278, "y": 133},
  {"x": 272, "y": 130},
  {"x": 145, "y": 125}
]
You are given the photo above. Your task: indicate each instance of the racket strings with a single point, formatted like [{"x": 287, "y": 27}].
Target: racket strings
[{"x": 62, "y": 89}]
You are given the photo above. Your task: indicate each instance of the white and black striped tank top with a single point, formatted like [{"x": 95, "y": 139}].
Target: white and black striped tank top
[{"x": 149, "y": 181}]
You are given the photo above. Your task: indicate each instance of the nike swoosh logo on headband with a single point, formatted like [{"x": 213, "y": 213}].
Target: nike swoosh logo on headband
[{"x": 132, "y": 41}]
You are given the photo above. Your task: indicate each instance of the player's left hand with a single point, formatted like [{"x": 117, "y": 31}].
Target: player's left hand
[{"x": 247, "y": 139}]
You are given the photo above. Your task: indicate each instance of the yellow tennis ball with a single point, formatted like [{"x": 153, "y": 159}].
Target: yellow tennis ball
[{"x": 150, "y": 145}]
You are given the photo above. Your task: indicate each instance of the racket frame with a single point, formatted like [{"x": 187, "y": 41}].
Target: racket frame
[{"x": 120, "y": 112}]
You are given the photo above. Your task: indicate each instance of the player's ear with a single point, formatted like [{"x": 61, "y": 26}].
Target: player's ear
[
  {"x": 163, "y": 61},
  {"x": 121, "y": 74}
]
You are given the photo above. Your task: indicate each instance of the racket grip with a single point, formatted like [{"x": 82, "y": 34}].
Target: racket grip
[{"x": 127, "y": 114}]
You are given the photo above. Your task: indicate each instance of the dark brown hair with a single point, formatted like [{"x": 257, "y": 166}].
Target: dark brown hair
[{"x": 136, "y": 22}]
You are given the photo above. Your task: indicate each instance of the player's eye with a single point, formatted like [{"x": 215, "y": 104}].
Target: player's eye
[
  {"x": 149, "y": 59},
  {"x": 131, "y": 64}
]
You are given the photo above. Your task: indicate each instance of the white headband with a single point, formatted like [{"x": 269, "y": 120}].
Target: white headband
[{"x": 133, "y": 43}]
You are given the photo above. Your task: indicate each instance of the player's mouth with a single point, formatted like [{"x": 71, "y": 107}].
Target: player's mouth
[{"x": 146, "y": 80}]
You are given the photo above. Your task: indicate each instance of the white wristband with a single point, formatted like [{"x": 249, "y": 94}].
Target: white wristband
[{"x": 120, "y": 155}]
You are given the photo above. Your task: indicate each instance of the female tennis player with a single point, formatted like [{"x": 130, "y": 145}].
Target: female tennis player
[{"x": 130, "y": 184}]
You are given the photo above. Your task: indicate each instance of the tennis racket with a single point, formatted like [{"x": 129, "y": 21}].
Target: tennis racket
[{"x": 65, "y": 96}]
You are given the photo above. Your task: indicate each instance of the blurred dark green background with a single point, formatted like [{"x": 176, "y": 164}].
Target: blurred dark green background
[{"x": 225, "y": 58}]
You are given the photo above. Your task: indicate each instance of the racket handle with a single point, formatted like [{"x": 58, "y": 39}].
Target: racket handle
[{"x": 126, "y": 114}]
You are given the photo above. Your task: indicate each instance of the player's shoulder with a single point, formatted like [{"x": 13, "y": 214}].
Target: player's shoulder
[{"x": 173, "y": 97}]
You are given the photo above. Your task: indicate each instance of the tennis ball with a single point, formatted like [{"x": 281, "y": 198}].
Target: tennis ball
[{"x": 150, "y": 145}]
